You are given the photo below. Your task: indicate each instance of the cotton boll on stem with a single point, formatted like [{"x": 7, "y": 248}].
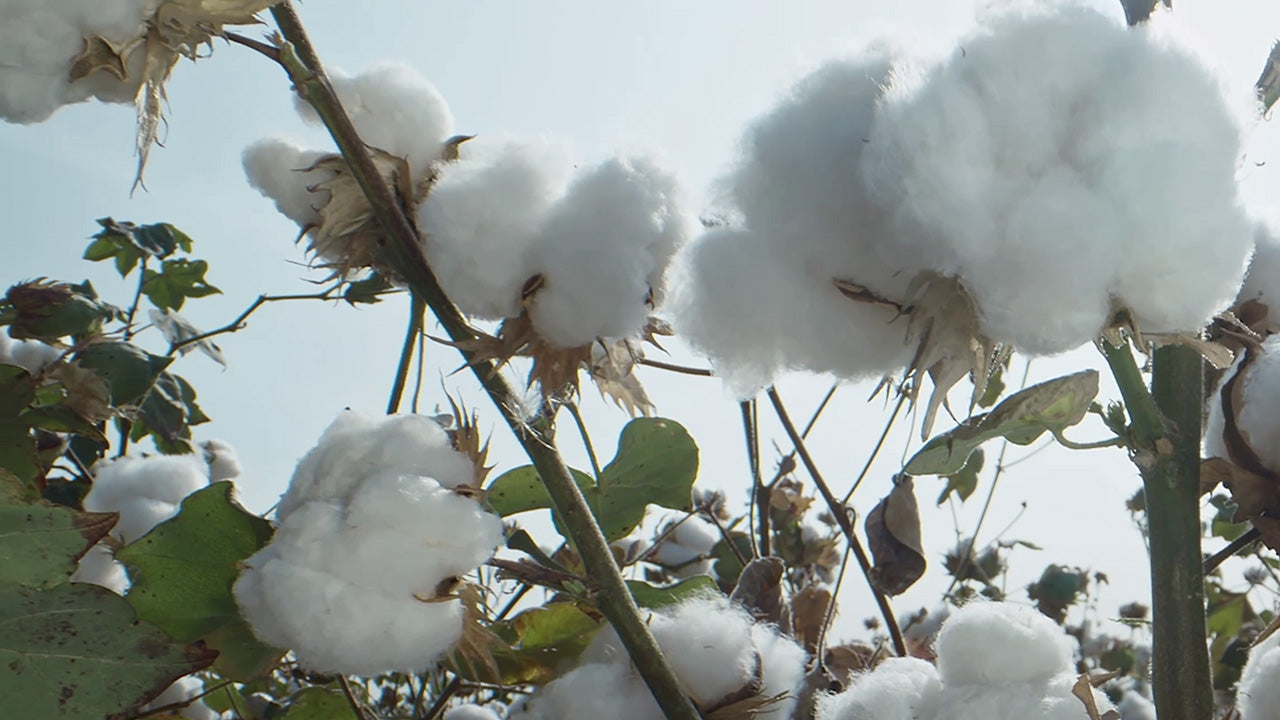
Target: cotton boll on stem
[
  {"x": 284, "y": 173},
  {"x": 602, "y": 252},
  {"x": 1255, "y": 417},
  {"x": 481, "y": 217}
]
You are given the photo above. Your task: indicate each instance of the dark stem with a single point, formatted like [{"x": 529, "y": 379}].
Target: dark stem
[
  {"x": 759, "y": 493},
  {"x": 842, "y": 518},
  {"x": 137, "y": 298},
  {"x": 1246, "y": 539},
  {"x": 404, "y": 252},
  {"x": 351, "y": 698},
  {"x": 416, "y": 310},
  {"x": 437, "y": 707},
  {"x": 586, "y": 439},
  {"x": 700, "y": 372},
  {"x": 239, "y": 323}
]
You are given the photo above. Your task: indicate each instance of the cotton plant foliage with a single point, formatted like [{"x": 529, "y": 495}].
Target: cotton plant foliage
[
  {"x": 995, "y": 660},
  {"x": 715, "y": 650},
  {"x": 372, "y": 536},
  {"x": 1066, "y": 173}
]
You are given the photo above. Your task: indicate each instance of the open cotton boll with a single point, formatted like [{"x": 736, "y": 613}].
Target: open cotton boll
[
  {"x": 590, "y": 692},
  {"x": 687, "y": 548},
  {"x": 395, "y": 109},
  {"x": 1037, "y": 700},
  {"x": 898, "y": 689},
  {"x": 99, "y": 566},
  {"x": 1258, "y": 693},
  {"x": 182, "y": 690},
  {"x": 146, "y": 491},
  {"x": 1134, "y": 706},
  {"x": 603, "y": 251},
  {"x": 994, "y": 642},
  {"x": 40, "y": 40},
  {"x": 30, "y": 355},
  {"x": 224, "y": 463},
  {"x": 1255, "y": 417},
  {"x": 756, "y": 310},
  {"x": 283, "y": 172},
  {"x": 1072, "y": 188},
  {"x": 355, "y": 447},
  {"x": 481, "y": 217},
  {"x": 471, "y": 712}
]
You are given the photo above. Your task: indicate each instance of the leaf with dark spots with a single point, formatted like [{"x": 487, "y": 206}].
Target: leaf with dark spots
[
  {"x": 893, "y": 533},
  {"x": 40, "y": 544}
]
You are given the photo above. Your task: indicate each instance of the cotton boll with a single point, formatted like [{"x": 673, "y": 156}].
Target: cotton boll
[
  {"x": 283, "y": 172},
  {"x": 782, "y": 666},
  {"x": 687, "y": 547},
  {"x": 898, "y": 689},
  {"x": 31, "y": 355},
  {"x": 1258, "y": 693},
  {"x": 1134, "y": 706},
  {"x": 1049, "y": 699},
  {"x": 480, "y": 219},
  {"x": 1255, "y": 418},
  {"x": 394, "y": 109},
  {"x": 993, "y": 642},
  {"x": 594, "y": 690},
  {"x": 471, "y": 712},
  {"x": 602, "y": 252},
  {"x": 100, "y": 567},
  {"x": 146, "y": 491},
  {"x": 182, "y": 690},
  {"x": 224, "y": 463},
  {"x": 755, "y": 309}
]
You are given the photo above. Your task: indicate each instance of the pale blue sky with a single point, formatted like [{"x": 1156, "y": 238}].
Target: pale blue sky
[{"x": 678, "y": 78}]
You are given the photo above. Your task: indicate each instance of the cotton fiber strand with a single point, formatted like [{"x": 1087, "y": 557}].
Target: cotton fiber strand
[
  {"x": 1258, "y": 693},
  {"x": 713, "y": 648},
  {"x": 369, "y": 532},
  {"x": 39, "y": 40}
]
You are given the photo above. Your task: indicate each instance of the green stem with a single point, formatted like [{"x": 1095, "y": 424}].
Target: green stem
[
  {"x": 416, "y": 310},
  {"x": 1165, "y": 445},
  {"x": 586, "y": 439},
  {"x": 535, "y": 436}
]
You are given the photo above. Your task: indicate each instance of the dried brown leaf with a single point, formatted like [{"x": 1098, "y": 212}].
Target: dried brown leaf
[
  {"x": 477, "y": 643},
  {"x": 808, "y": 615},
  {"x": 893, "y": 533},
  {"x": 97, "y": 54},
  {"x": 759, "y": 590},
  {"x": 1083, "y": 689},
  {"x": 845, "y": 660}
]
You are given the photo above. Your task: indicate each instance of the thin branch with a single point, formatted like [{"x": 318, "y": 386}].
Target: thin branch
[
  {"x": 351, "y": 698},
  {"x": 841, "y": 514},
  {"x": 270, "y": 51},
  {"x": 416, "y": 310},
  {"x": 417, "y": 380},
  {"x": 404, "y": 252},
  {"x": 437, "y": 707},
  {"x": 532, "y": 574},
  {"x": 239, "y": 323},
  {"x": 137, "y": 298},
  {"x": 586, "y": 439},
  {"x": 875, "y": 451},
  {"x": 758, "y": 528},
  {"x": 181, "y": 704},
  {"x": 682, "y": 369},
  {"x": 830, "y": 613},
  {"x": 1246, "y": 538}
]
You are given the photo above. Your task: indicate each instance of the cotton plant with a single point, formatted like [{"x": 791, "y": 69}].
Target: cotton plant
[
  {"x": 994, "y": 660},
  {"x": 720, "y": 656},
  {"x": 373, "y": 536},
  {"x": 864, "y": 238}
]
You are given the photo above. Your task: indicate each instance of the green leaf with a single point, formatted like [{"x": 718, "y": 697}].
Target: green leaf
[
  {"x": 182, "y": 573},
  {"x": 167, "y": 414},
  {"x": 128, "y": 370},
  {"x": 656, "y": 463},
  {"x": 62, "y": 419},
  {"x": 1022, "y": 417},
  {"x": 176, "y": 281},
  {"x": 964, "y": 482},
  {"x": 543, "y": 642},
  {"x": 40, "y": 544},
  {"x": 995, "y": 387},
  {"x": 521, "y": 490},
  {"x": 728, "y": 567},
  {"x": 46, "y": 310},
  {"x": 318, "y": 703},
  {"x": 77, "y": 651},
  {"x": 367, "y": 290},
  {"x": 17, "y": 391},
  {"x": 128, "y": 243},
  {"x": 652, "y": 596}
]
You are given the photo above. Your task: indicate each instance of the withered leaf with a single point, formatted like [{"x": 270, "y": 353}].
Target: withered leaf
[
  {"x": 1083, "y": 689},
  {"x": 808, "y": 614},
  {"x": 759, "y": 590},
  {"x": 613, "y": 370},
  {"x": 97, "y": 54},
  {"x": 845, "y": 660},
  {"x": 893, "y": 533}
]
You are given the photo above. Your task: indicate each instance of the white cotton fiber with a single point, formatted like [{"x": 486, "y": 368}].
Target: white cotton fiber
[
  {"x": 1040, "y": 700},
  {"x": 99, "y": 566},
  {"x": 370, "y": 534},
  {"x": 1135, "y": 706},
  {"x": 590, "y": 692},
  {"x": 1256, "y": 417},
  {"x": 471, "y": 712},
  {"x": 39, "y": 41},
  {"x": 146, "y": 491},
  {"x": 395, "y": 109},
  {"x": 603, "y": 250},
  {"x": 30, "y": 355},
  {"x": 182, "y": 690},
  {"x": 1258, "y": 693},
  {"x": 983, "y": 643},
  {"x": 1072, "y": 186},
  {"x": 1262, "y": 282},
  {"x": 686, "y": 550},
  {"x": 481, "y": 218},
  {"x": 898, "y": 689},
  {"x": 283, "y": 172},
  {"x": 224, "y": 463}
]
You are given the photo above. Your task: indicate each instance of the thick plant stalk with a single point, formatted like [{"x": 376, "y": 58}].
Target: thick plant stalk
[
  {"x": 536, "y": 437},
  {"x": 1165, "y": 445}
]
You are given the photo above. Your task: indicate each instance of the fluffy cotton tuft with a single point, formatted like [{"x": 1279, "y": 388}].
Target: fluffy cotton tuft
[
  {"x": 146, "y": 491},
  {"x": 687, "y": 549},
  {"x": 985, "y": 643},
  {"x": 712, "y": 646},
  {"x": 30, "y": 355},
  {"x": 284, "y": 173},
  {"x": 1070, "y": 196},
  {"x": 40, "y": 40},
  {"x": 183, "y": 690},
  {"x": 1255, "y": 417},
  {"x": 471, "y": 712},
  {"x": 1262, "y": 282},
  {"x": 224, "y": 463},
  {"x": 369, "y": 532},
  {"x": 898, "y": 689},
  {"x": 1258, "y": 693}
]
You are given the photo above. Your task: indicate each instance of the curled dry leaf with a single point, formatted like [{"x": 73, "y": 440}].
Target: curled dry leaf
[
  {"x": 893, "y": 532},
  {"x": 613, "y": 370},
  {"x": 808, "y": 615},
  {"x": 759, "y": 590}
]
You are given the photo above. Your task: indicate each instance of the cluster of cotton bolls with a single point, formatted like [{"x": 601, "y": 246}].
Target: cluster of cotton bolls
[
  {"x": 41, "y": 42},
  {"x": 493, "y": 215},
  {"x": 1055, "y": 196},
  {"x": 714, "y": 649},
  {"x": 994, "y": 660},
  {"x": 370, "y": 540},
  {"x": 145, "y": 491}
]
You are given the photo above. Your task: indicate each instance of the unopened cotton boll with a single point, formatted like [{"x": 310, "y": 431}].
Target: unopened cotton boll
[
  {"x": 1258, "y": 693},
  {"x": 603, "y": 251},
  {"x": 898, "y": 689},
  {"x": 993, "y": 642},
  {"x": 284, "y": 173},
  {"x": 40, "y": 40},
  {"x": 395, "y": 109},
  {"x": 471, "y": 712},
  {"x": 481, "y": 218}
]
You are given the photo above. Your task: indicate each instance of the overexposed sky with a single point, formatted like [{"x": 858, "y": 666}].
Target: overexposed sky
[{"x": 677, "y": 79}]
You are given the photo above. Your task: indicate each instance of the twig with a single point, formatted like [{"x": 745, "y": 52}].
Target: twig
[
  {"x": 271, "y": 51},
  {"x": 437, "y": 707},
  {"x": 351, "y": 698},
  {"x": 842, "y": 518},
  {"x": 586, "y": 439},
  {"x": 239, "y": 323},
  {"x": 1246, "y": 538},
  {"x": 830, "y": 613},
  {"x": 700, "y": 372},
  {"x": 181, "y": 704},
  {"x": 137, "y": 298},
  {"x": 759, "y": 528},
  {"x": 417, "y": 380},
  {"x": 532, "y": 574},
  {"x": 875, "y": 451},
  {"x": 404, "y": 252},
  {"x": 416, "y": 310}
]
